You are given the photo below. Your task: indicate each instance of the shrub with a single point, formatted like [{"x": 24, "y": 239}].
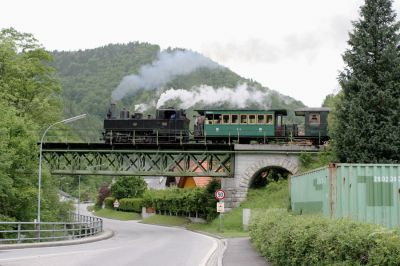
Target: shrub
[
  {"x": 128, "y": 187},
  {"x": 131, "y": 204},
  {"x": 104, "y": 192},
  {"x": 108, "y": 202},
  {"x": 285, "y": 239},
  {"x": 198, "y": 202},
  {"x": 6, "y": 227}
]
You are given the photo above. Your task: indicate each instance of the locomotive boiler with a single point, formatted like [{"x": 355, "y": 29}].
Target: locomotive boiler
[{"x": 168, "y": 126}]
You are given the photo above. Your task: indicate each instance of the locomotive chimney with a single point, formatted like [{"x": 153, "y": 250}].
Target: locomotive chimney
[
  {"x": 124, "y": 114},
  {"x": 113, "y": 112}
]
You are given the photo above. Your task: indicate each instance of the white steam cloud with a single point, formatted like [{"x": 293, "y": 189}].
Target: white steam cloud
[
  {"x": 240, "y": 97},
  {"x": 158, "y": 73},
  {"x": 141, "y": 107}
]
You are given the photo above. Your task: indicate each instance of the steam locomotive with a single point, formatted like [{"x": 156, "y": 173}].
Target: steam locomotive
[{"x": 243, "y": 126}]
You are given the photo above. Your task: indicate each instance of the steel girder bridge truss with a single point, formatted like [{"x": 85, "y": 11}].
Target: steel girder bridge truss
[{"x": 140, "y": 162}]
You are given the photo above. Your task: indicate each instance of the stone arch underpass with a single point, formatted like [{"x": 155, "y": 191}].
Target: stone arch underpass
[{"x": 247, "y": 166}]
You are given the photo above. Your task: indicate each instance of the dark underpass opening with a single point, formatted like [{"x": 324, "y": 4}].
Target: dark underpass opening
[{"x": 267, "y": 175}]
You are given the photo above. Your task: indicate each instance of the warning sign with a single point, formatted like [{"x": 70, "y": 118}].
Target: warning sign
[{"x": 220, "y": 207}]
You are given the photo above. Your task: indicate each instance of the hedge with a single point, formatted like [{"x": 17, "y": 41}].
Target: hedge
[
  {"x": 108, "y": 202},
  {"x": 131, "y": 205},
  {"x": 195, "y": 202},
  {"x": 286, "y": 239}
]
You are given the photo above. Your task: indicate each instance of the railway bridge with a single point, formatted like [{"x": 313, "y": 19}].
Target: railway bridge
[{"x": 236, "y": 165}]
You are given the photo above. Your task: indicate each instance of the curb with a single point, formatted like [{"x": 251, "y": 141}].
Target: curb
[
  {"x": 102, "y": 236},
  {"x": 216, "y": 255},
  {"x": 215, "y": 259},
  {"x": 206, "y": 260},
  {"x": 221, "y": 256}
]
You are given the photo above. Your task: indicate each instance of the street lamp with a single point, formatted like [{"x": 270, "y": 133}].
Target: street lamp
[{"x": 65, "y": 121}]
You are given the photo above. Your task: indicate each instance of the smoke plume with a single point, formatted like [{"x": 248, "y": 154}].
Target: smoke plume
[
  {"x": 142, "y": 107},
  {"x": 242, "y": 96},
  {"x": 158, "y": 73}
]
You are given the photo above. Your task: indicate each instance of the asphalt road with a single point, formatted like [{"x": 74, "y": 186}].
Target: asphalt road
[{"x": 132, "y": 244}]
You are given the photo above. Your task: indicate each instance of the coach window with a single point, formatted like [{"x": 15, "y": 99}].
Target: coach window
[
  {"x": 252, "y": 119},
  {"x": 243, "y": 119},
  {"x": 235, "y": 119},
  {"x": 269, "y": 120},
  {"x": 260, "y": 119},
  {"x": 209, "y": 119},
  {"x": 314, "y": 118},
  {"x": 217, "y": 119},
  {"x": 225, "y": 119}
]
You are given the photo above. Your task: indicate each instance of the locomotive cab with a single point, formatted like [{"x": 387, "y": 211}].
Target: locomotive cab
[{"x": 170, "y": 113}]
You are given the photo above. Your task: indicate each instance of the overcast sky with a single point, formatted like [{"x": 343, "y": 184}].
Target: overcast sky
[{"x": 290, "y": 46}]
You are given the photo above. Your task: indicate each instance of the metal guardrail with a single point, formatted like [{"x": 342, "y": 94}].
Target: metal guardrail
[{"x": 27, "y": 232}]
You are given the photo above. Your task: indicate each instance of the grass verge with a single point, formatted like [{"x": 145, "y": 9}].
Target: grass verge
[
  {"x": 117, "y": 215},
  {"x": 92, "y": 208},
  {"x": 274, "y": 195},
  {"x": 166, "y": 220}
]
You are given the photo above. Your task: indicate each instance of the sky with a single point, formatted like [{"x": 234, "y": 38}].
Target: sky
[{"x": 291, "y": 46}]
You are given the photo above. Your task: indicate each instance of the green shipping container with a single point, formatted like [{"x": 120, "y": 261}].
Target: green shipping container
[{"x": 362, "y": 192}]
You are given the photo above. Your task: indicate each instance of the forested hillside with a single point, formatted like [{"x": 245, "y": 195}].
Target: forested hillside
[{"x": 90, "y": 77}]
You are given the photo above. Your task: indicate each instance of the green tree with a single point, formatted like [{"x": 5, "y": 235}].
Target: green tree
[
  {"x": 16, "y": 140},
  {"x": 28, "y": 101},
  {"x": 128, "y": 187},
  {"x": 18, "y": 171},
  {"x": 27, "y": 82},
  {"x": 368, "y": 113}
]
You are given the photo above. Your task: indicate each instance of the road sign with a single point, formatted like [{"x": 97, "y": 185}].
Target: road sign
[
  {"x": 220, "y": 207},
  {"x": 116, "y": 204},
  {"x": 219, "y": 194}
]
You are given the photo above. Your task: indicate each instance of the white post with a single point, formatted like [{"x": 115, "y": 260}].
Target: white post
[
  {"x": 79, "y": 197},
  {"x": 246, "y": 219}
]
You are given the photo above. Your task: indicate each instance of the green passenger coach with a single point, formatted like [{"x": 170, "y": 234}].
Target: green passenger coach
[{"x": 240, "y": 126}]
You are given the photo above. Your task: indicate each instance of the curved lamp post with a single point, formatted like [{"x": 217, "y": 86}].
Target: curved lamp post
[{"x": 65, "y": 121}]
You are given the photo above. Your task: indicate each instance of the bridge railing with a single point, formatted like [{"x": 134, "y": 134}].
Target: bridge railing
[{"x": 80, "y": 226}]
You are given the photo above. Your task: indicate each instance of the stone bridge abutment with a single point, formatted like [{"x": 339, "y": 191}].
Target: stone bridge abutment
[{"x": 250, "y": 160}]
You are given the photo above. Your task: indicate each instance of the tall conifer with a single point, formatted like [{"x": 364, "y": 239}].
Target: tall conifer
[{"x": 368, "y": 129}]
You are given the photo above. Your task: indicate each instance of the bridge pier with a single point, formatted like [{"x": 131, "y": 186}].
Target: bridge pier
[{"x": 235, "y": 193}]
